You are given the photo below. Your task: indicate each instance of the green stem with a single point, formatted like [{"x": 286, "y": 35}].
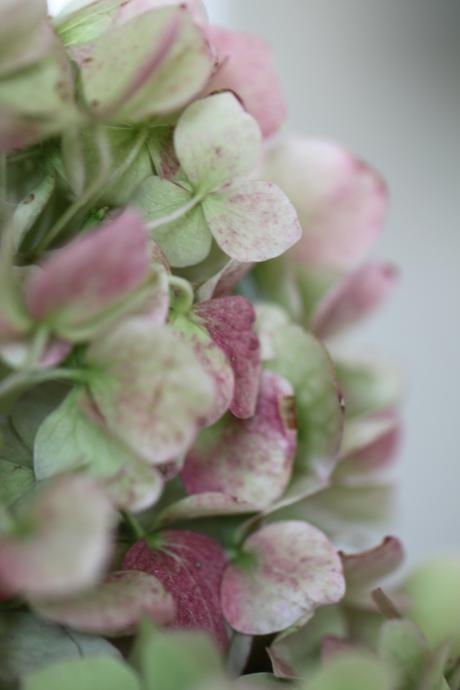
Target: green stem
[
  {"x": 181, "y": 294},
  {"x": 25, "y": 379},
  {"x": 133, "y": 525},
  {"x": 93, "y": 191}
]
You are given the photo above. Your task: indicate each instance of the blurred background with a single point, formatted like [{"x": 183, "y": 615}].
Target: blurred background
[{"x": 382, "y": 77}]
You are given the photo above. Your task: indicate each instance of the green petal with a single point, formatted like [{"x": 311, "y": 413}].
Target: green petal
[
  {"x": 153, "y": 64},
  {"x": 150, "y": 388},
  {"x": 186, "y": 241},
  {"x": 102, "y": 673},
  {"x": 15, "y": 480},
  {"x": 351, "y": 672},
  {"x": 216, "y": 142},
  {"x": 368, "y": 387}
]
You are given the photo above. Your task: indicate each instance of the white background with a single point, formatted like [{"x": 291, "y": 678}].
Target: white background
[{"x": 382, "y": 76}]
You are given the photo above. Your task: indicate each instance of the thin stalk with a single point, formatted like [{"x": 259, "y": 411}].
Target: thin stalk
[
  {"x": 23, "y": 379},
  {"x": 133, "y": 525}
]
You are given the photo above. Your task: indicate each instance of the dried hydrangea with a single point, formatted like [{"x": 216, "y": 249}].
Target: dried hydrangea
[{"x": 183, "y": 447}]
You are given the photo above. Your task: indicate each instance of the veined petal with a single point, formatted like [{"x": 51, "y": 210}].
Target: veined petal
[{"x": 250, "y": 460}]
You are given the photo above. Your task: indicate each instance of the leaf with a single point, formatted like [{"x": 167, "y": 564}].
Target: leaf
[
  {"x": 62, "y": 541},
  {"x": 103, "y": 673},
  {"x": 186, "y": 241},
  {"x": 301, "y": 359},
  {"x": 28, "y": 644},
  {"x": 286, "y": 571},
  {"x": 12, "y": 447},
  {"x": 353, "y": 671},
  {"x": 252, "y": 220},
  {"x": 15, "y": 480},
  {"x": 216, "y": 141},
  {"x": 206, "y": 504},
  {"x": 368, "y": 387},
  {"x": 246, "y": 68},
  {"x": 154, "y": 64},
  {"x": 113, "y": 607},
  {"x": 150, "y": 388},
  {"x": 354, "y": 298},
  {"x": 32, "y": 408},
  {"x": 90, "y": 275},
  {"x": 341, "y": 202},
  {"x": 250, "y": 460},
  {"x": 156, "y": 654},
  {"x": 230, "y": 323},
  {"x": 190, "y": 566}
]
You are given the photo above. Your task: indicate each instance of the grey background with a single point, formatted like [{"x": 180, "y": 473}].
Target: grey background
[{"x": 382, "y": 76}]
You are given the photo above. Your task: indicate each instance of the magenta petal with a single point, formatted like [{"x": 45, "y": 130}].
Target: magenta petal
[
  {"x": 230, "y": 323},
  {"x": 190, "y": 566},
  {"x": 341, "y": 201},
  {"x": 354, "y": 298},
  {"x": 90, "y": 274},
  {"x": 246, "y": 67},
  {"x": 249, "y": 459}
]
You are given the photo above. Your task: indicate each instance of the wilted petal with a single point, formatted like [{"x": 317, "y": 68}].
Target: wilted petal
[
  {"x": 190, "y": 566},
  {"x": 251, "y": 459},
  {"x": 341, "y": 202},
  {"x": 246, "y": 68},
  {"x": 82, "y": 280},
  {"x": 357, "y": 296},
  {"x": 216, "y": 141},
  {"x": 252, "y": 220},
  {"x": 224, "y": 281},
  {"x": 112, "y": 608},
  {"x": 153, "y": 64},
  {"x": 288, "y": 569},
  {"x": 66, "y": 540},
  {"x": 364, "y": 570},
  {"x": 150, "y": 387},
  {"x": 230, "y": 323}
]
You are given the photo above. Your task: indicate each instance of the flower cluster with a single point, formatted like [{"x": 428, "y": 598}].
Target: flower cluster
[{"x": 183, "y": 446}]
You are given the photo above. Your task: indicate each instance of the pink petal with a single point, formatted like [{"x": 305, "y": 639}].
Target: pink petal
[
  {"x": 223, "y": 282},
  {"x": 190, "y": 566},
  {"x": 288, "y": 569},
  {"x": 90, "y": 274},
  {"x": 246, "y": 67},
  {"x": 341, "y": 201},
  {"x": 365, "y": 569},
  {"x": 70, "y": 523},
  {"x": 230, "y": 323},
  {"x": 114, "y": 607},
  {"x": 250, "y": 460},
  {"x": 357, "y": 296}
]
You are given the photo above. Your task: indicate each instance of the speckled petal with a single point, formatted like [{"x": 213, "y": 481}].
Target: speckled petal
[{"x": 287, "y": 570}]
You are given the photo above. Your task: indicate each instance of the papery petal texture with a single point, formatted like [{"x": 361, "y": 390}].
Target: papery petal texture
[
  {"x": 246, "y": 68},
  {"x": 340, "y": 200},
  {"x": 250, "y": 460},
  {"x": 230, "y": 323},
  {"x": 289, "y": 569},
  {"x": 190, "y": 566}
]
